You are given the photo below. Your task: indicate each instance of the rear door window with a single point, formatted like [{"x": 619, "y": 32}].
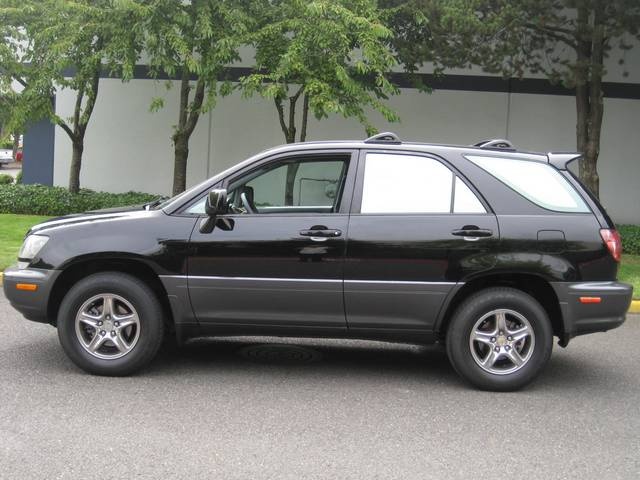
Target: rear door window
[
  {"x": 395, "y": 183},
  {"x": 538, "y": 182}
]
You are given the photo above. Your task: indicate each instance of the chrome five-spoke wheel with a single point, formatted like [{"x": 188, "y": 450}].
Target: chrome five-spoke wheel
[
  {"x": 502, "y": 341},
  {"x": 107, "y": 326}
]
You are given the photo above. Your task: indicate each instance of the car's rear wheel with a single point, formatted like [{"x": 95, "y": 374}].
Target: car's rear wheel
[
  {"x": 499, "y": 339},
  {"x": 110, "y": 324}
]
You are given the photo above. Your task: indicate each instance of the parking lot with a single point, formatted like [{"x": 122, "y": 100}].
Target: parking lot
[
  {"x": 11, "y": 169},
  {"x": 364, "y": 410}
]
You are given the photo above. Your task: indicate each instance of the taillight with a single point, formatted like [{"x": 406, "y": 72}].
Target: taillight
[{"x": 611, "y": 239}]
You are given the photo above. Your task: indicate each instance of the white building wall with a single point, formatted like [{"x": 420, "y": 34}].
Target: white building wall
[{"x": 129, "y": 148}]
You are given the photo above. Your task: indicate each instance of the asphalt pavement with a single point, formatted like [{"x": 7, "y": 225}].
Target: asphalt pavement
[
  {"x": 11, "y": 169},
  {"x": 364, "y": 410}
]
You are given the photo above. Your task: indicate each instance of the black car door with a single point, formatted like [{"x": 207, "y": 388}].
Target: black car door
[
  {"x": 279, "y": 257},
  {"x": 417, "y": 228}
]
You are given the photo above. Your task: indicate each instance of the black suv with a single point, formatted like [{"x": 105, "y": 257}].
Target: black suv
[{"x": 486, "y": 249}]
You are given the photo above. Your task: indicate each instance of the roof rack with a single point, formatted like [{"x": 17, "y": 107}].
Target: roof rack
[
  {"x": 496, "y": 143},
  {"x": 384, "y": 137}
]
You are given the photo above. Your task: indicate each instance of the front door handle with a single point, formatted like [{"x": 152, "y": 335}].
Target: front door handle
[
  {"x": 471, "y": 231},
  {"x": 326, "y": 232}
]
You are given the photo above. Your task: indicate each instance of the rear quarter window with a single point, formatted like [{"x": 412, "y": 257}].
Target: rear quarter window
[{"x": 538, "y": 182}]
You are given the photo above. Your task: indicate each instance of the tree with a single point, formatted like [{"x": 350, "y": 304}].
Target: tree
[
  {"x": 331, "y": 54},
  {"x": 567, "y": 40},
  {"x": 51, "y": 45},
  {"x": 436, "y": 32},
  {"x": 193, "y": 40}
]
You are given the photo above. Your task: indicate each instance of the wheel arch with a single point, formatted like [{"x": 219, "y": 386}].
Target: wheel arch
[
  {"x": 81, "y": 268},
  {"x": 532, "y": 284}
]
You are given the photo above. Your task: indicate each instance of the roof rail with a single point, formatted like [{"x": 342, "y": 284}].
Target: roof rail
[
  {"x": 496, "y": 143},
  {"x": 560, "y": 160},
  {"x": 384, "y": 137}
]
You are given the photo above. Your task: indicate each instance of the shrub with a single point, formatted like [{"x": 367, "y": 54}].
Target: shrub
[
  {"x": 19, "y": 177},
  {"x": 54, "y": 201},
  {"x": 5, "y": 179},
  {"x": 630, "y": 238}
]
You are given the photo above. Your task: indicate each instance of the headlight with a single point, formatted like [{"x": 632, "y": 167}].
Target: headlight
[{"x": 31, "y": 246}]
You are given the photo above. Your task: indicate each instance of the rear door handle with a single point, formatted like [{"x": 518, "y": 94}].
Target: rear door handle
[{"x": 472, "y": 232}]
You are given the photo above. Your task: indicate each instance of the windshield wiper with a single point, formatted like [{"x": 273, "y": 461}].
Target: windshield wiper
[{"x": 153, "y": 203}]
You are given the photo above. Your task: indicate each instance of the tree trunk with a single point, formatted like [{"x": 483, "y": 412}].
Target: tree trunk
[
  {"x": 181, "y": 153},
  {"x": 596, "y": 103},
  {"x": 589, "y": 97},
  {"x": 76, "y": 163},
  {"x": 80, "y": 121},
  {"x": 292, "y": 170},
  {"x": 583, "y": 51},
  {"x": 188, "y": 115},
  {"x": 305, "y": 118},
  {"x": 16, "y": 144}
]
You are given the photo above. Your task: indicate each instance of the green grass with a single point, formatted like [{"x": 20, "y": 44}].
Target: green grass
[
  {"x": 629, "y": 272},
  {"x": 12, "y": 230}
]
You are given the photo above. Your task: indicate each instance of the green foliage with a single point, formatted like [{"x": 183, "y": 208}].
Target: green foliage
[
  {"x": 52, "y": 45},
  {"x": 566, "y": 40},
  {"x": 193, "y": 40},
  {"x": 442, "y": 33},
  {"x": 19, "y": 177},
  {"x": 196, "y": 39},
  {"x": 629, "y": 272},
  {"x": 630, "y": 239},
  {"x": 12, "y": 231},
  {"x": 5, "y": 179},
  {"x": 44, "y": 200},
  {"x": 334, "y": 54}
]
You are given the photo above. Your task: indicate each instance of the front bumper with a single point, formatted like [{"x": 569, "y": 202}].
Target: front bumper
[
  {"x": 582, "y": 318},
  {"x": 32, "y": 304}
]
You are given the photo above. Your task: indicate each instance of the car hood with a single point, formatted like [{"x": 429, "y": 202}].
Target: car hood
[{"x": 107, "y": 214}]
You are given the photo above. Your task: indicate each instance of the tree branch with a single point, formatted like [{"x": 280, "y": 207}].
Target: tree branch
[
  {"x": 283, "y": 125},
  {"x": 305, "y": 116},
  {"x": 551, "y": 32},
  {"x": 196, "y": 105},
  {"x": 184, "y": 98},
  {"x": 62, "y": 124},
  {"x": 91, "y": 100},
  {"x": 292, "y": 117}
]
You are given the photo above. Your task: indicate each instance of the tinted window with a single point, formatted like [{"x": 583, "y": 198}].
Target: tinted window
[
  {"x": 465, "y": 200},
  {"x": 538, "y": 182},
  {"x": 413, "y": 184},
  {"x": 307, "y": 185}
]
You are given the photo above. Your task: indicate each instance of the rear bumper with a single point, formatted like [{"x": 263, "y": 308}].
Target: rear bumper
[
  {"x": 31, "y": 304},
  {"x": 582, "y": 318}
]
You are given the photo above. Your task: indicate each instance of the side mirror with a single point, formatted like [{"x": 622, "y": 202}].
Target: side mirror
[{"x": 215, "y": 205}]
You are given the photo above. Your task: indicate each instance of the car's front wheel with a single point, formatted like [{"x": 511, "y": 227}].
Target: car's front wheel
[
  {"x": 110, "y": 323},
  {"x": 499, "y": 339}
]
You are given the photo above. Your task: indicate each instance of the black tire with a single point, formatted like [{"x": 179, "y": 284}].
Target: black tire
[
  {"x": 149, "y": 312},
  {"x": 474, "y": 308}
]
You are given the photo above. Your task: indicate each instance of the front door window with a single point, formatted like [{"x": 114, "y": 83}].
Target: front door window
[{"x": 304, "y": 185}]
